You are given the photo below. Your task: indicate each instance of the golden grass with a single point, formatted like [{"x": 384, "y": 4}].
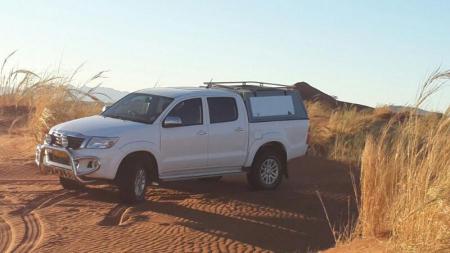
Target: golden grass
[
  {"x": 405, "y": 181},
  {"x": 340, "y": 133},
  {"x": 405, "y": 170},
  {"x": 42, "y": 101}
]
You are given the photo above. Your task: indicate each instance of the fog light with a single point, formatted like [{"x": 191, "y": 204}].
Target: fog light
[
  {"x": 86, "y": 166},
  {"x": 95, "y": 164}
]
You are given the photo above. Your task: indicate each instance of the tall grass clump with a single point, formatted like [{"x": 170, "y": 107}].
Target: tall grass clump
[
  {"x": 405, "y": 180},
  {"x": 39, "y": 101},
  {"x": 340, "y": 133}
]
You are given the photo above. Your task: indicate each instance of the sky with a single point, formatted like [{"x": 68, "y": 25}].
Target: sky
[{"x": 368, "y": 52}]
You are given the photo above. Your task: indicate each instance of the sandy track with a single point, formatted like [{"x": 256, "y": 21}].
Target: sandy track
[
  {"x": 52, "y": 200},
  {"x": 191, "y": 216},
  {"x": 32, "y": 234},
  {"x": 29, "y": 226},
  {"x": 5, "y": 235}
]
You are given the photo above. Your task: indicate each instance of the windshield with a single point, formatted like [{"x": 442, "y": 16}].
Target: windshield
[{"x": 138, "y": 107}]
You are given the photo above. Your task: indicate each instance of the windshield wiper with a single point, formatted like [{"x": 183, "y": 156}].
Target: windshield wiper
[
  {"x": 127, "y": 119},
  {"x": 116, "y": 117}
]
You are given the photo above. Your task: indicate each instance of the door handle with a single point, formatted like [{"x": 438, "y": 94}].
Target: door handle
[
  {"x": 201, "y": 132},
  {"x": 239, "y": 129}
]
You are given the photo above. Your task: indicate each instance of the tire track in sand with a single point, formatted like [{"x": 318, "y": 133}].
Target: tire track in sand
[
  {"x": 33, "y": 229},
  {"x": 6, "y": 236},
  {"x": 61, "y": 197},
  {"x": 116, "y": 216},
  {"x": 32, "y": 235}
]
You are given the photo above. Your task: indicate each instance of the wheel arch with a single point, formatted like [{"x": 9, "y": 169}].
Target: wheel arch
[
  {"x": 276, "y": 146},
  {"x": 149, "y": 159}
]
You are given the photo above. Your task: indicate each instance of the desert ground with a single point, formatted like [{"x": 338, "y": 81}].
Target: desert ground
[
  {"x": 37, "y": 215},
  {"x": 395, "y": 162}
]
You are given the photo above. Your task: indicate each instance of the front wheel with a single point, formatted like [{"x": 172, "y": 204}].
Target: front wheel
[
  {"x": 266, "y": 172},
  {"x": 132, "y": 182}
]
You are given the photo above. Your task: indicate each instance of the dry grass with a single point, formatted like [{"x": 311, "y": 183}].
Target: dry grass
[
  {"x": 36, "y": 102},
  {"x": 405, "y": 176},
  {"x": 405, "y": 181},
  {"x": 340, "y": 134}
]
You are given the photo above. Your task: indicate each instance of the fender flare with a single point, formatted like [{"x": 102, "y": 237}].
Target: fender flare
[
  {"x": 258, "y": 143},
  {"x": 133, "y": 147}
]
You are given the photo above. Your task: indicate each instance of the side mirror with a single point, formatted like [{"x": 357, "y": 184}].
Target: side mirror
[
  {"x": 105, "y": 107},
  {"x": 172, "y": 121}
]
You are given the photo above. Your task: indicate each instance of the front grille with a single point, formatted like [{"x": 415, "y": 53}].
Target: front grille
[{"x": 73, "y": 142}]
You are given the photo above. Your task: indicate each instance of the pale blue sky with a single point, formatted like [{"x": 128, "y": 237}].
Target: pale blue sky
[{"x": 369, "y": 52}]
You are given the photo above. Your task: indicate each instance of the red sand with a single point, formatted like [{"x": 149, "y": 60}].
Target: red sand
[{"x": 190, "y": 216}]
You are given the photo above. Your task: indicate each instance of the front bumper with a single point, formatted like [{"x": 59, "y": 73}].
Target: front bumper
[{"x": 77, "y": 167}]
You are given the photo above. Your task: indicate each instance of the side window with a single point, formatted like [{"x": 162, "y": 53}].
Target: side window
[
  {"x": 272, "y": 106},
  {"x": 190, "y": 112},
  {"x": 222, "y": 109}
]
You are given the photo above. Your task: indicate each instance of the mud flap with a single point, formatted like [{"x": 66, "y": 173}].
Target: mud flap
[{"x": 285, "y": 170}]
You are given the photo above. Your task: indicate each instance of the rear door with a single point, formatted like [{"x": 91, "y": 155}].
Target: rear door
[{"x": 228, "y": 129}]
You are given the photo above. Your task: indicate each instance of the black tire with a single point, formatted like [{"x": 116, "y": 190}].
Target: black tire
[
  {"x": 210, "y": 179},
  {"x": 259, "y": 174},
  {"x": 70, "y": 184},
  {"x": 130, "y": 187}
]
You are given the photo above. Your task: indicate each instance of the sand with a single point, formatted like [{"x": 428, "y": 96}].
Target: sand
[{"x": 36, "y": 214}]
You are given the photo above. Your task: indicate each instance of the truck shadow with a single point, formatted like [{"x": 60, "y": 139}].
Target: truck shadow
[{"x": 291, "y": 218}]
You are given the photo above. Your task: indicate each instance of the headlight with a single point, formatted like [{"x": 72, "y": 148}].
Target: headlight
[
  {"x": 48, "y": 139},
  {"x": 102, "y": 142}
]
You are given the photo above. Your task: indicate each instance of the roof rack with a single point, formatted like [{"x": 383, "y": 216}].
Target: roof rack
[{"x": 243, "y": 83}]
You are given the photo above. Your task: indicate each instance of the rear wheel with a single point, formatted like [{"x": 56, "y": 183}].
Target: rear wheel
[
  {"x": 70, "y": 184},
  {"x": 266, "y": 172},
  {"x": 132, "y": 181}
]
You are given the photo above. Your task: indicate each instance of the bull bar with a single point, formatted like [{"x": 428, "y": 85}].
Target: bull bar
[{"x": 47, "y": 166}]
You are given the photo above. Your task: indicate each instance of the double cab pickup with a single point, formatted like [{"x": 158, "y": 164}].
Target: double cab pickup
[{"x": 167, "y": 134}]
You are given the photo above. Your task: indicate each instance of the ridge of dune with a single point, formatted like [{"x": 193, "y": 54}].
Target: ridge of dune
[{"x": 312, "y": 94}]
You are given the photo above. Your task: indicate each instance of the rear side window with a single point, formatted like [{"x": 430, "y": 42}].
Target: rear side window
[
  {"x": 222, "y": 109},
  {"x": 272, "y": 106},
  {"x": 266, "y": 106}
]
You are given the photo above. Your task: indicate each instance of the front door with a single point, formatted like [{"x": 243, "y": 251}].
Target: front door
[{"x": 184, "y": 147}]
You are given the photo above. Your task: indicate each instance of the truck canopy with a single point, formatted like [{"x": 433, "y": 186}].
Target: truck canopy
[{"x": 267, "y": 101}]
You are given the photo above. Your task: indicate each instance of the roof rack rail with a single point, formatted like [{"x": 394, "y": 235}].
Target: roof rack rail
[{"x": 223, "y": 84}]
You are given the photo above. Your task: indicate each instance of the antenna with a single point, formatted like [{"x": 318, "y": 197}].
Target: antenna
[{"x": 156, "y": 83}]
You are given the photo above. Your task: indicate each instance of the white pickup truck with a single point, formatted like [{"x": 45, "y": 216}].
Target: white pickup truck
[{"x": 164, "y": 134}]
